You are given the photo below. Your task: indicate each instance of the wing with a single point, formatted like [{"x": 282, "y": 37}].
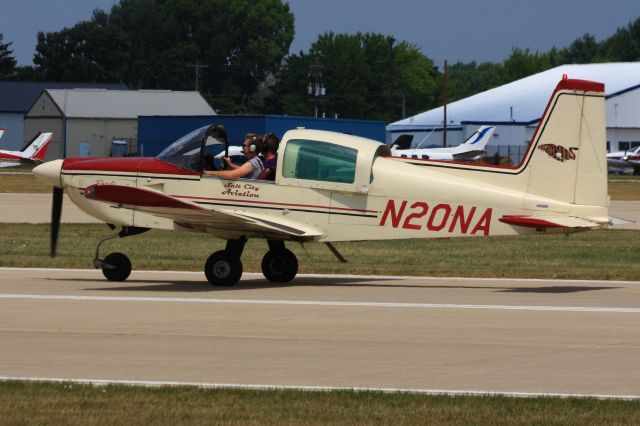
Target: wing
[{"x": 186, "y": 213}]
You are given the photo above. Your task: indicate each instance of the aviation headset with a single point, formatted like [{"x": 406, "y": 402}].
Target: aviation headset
[{"x": 252, "y": 147}]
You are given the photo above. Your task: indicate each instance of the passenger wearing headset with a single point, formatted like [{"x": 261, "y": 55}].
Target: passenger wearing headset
[
  {"x": 270, "y": 153},
  {"x": 251, "y": 146}
]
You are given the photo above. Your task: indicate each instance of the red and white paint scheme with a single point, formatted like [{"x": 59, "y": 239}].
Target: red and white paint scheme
[
  {"x": 34, "y": 152},
  {"x": 336, "y": 187}
]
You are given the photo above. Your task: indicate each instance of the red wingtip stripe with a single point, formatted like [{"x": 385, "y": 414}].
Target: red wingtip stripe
[{"x": 528, "y": 222}]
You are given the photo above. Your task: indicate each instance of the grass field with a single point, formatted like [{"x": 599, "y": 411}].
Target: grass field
[
  {"x": 625, "y": 188},
  {"x": 578, "y": 256},
  {"x": 74, "y": 404}
]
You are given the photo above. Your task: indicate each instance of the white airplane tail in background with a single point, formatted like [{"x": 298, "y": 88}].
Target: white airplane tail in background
[
  {"x": 34, "y": 152},
  {"x": 468, "y": 150},
  {"x": 1, "y": 132},
  {"x": 477, "y": 142}
]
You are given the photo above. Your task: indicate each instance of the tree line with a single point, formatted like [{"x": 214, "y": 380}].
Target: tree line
[{"x": 236, "y": 53}]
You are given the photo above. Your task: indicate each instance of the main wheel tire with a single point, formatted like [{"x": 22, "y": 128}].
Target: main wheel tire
[
  {"x": 279, "y": 266},
  {"x": 223, "y": 269},
  {"x": 120, "y": 267}
]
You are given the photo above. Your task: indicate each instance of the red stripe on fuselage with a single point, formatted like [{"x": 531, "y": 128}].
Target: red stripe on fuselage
[
  {"x": 129, "y": 195},
  {"x": 5, "y": 156},
  {"x": 126, "y": 164},
  {"x": 528, "y": 222},
  {"x": 276, "y": 204}
]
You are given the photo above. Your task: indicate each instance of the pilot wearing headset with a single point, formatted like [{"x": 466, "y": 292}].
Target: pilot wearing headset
[{"x": 251, "y": 146}]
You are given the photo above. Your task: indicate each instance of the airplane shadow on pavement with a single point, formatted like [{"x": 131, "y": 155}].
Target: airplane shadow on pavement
[{"x": 154, "y": 285}]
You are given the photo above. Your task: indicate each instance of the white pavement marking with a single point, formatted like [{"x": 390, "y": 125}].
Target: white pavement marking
[
  {"x": 322, "y": 303},
  {"x": 153, "y": 384},
  {"x": 381, "y": 277}
]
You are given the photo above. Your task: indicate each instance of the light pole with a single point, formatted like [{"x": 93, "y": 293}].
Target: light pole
[{"x": 315, "y": 88}]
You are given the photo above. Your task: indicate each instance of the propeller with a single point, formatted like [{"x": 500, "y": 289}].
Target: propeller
[
  {"x": 56, "y": 212},
  {"x": 50, "y": 173}
]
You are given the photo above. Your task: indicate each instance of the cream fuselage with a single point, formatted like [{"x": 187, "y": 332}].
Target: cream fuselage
[{"x": 403, "y": 201}]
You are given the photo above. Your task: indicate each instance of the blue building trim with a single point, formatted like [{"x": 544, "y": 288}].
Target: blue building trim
[
  {"x": 620, "y": 92},
  {"x": 156, "y": 132}
]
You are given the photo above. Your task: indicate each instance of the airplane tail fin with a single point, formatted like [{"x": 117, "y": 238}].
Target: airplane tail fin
[
  {"x": 566, "y": 160},
  {"x": 36, "y": 150},
  {"x": 477, "y": 141},
  {"x": 1, "y": 132}
]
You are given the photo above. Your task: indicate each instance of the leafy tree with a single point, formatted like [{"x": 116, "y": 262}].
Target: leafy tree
[
  {"x": 156, "y": 44},
  {"x": 582, "y": 51},
  {"x": 624, "y": 45},
  {"x": 7, "y": 61},
  {"x": 365, "y": 76},
  {"x": 465, "y": 80},
  {"x": 91, "y": 51}
]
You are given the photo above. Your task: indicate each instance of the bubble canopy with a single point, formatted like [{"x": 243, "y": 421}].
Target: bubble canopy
[{"x": 197, "y": 150}]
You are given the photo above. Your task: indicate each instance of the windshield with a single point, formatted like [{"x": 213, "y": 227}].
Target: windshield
[{"x": 185, "y": 152}]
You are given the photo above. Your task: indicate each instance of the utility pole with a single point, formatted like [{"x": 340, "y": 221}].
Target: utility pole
[
  {"x": 197, "y": 66},
  {"x": 444, "y": 132}
]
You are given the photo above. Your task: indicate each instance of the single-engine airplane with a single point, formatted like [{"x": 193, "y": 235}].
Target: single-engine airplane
[
  {"x": 467, "y": 151},
  {"x": 33, "y": 153},
  {"x": 336, "y": 187},
  {"x": 621, "y": 160}
]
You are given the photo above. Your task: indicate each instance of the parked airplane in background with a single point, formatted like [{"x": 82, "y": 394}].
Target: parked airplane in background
[
  {"x": 336, "y": 187},
  {"x": 1, "y": 133},
  {"x": 33, "y": 153},
  {"x": 466, "y": 151},
  {"x": 620, "y": 161}
]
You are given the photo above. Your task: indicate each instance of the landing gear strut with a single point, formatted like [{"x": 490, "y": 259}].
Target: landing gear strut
[
  {"x": 279, "y": 265},
  {"x": 224, "y": 268},
  {"x": 116, "y": 266}
]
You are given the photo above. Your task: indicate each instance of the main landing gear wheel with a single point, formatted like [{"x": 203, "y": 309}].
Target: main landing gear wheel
[
  {"x": 116, "y": 267},
  {"x": 223, "y": 269},
  {"x": 279, "y": 266}
]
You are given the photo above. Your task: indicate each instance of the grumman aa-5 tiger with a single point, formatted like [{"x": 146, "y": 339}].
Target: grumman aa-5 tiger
[{"x": 335, "y": 187}]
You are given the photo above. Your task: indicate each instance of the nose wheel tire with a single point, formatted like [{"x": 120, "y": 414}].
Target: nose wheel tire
[
  {"x": 116, "y": 267},
  {"x": 279, "y": 266},
  {"x": 223, "y": 269}
]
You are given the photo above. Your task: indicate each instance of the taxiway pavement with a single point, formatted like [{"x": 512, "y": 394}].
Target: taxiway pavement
[{"x": 487, "y": 335}]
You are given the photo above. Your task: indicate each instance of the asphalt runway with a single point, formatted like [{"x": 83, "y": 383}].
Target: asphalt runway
[{"x": 419, "y": 333}]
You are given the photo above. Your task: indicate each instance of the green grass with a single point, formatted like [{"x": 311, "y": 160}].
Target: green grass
[
  {"x": 611, "y": 254},
  {"x": 12, "y": 182},
  {"x": 73, "y": 404}
]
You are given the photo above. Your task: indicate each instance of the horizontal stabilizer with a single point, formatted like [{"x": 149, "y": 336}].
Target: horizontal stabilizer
[
  {"x": 619, "y": 221},
  {"x": 547, "y": 221}
]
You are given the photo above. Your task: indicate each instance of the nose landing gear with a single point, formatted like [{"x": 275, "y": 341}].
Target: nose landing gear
[{"x": 116, "y": 266}]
